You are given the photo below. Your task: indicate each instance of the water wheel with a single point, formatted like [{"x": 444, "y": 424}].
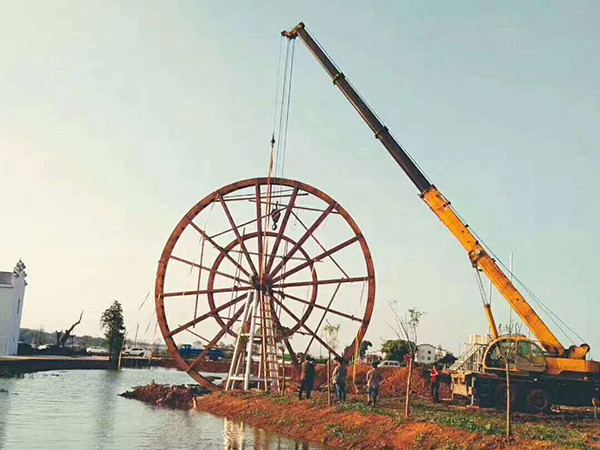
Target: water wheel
[{"x": 276, "y": 236}]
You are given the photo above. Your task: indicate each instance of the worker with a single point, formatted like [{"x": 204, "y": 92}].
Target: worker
[
  {"x": 435, "y": 383},
  {"x": 338, "y": 378},
  {"x": 307, "y": 377},
  {"x": 373, "y": 383}
]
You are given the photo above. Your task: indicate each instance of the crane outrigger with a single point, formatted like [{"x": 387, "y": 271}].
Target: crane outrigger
[{"x": 557, "y": 374}]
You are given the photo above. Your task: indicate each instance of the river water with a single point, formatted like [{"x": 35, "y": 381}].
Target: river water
[{"x": 82, "y": 410}]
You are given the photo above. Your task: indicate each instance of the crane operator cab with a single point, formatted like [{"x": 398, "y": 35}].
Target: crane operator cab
[{"x": 518, "y": 352}]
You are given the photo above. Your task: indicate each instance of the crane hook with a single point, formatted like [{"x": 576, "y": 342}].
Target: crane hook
[{"x": 275, "y": 215}]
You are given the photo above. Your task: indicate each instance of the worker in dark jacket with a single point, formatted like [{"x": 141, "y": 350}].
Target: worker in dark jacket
[
  {"x": 435, "y": 383},
  {"x": 307, "y": 377}
]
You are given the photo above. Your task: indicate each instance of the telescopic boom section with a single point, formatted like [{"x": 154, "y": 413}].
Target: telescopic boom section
[{"x": 434, "y": 199}]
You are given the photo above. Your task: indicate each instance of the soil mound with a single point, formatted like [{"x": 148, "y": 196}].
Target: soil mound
[
  {"x": 179, "y": 397},
  {"x": 393, "y": 383}
]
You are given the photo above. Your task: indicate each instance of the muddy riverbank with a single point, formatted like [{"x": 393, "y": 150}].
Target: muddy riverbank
[
  {"x": 431, "y": 426},
  {"x": 354, "y": 425}
]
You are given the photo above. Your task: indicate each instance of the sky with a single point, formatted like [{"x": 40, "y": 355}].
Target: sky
[{"x": 117, "y": 117}]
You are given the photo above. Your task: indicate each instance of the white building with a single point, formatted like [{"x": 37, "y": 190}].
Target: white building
[
  {"x": 12, "y": 293},
  {"x": 372, "y": 356},
  {"x": 429, "y": 354}
]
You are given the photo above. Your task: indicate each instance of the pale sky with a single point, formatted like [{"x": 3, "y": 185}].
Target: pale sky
[{"x": 117, "y": 117}]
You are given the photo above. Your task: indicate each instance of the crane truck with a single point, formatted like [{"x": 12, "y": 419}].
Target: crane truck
[{"x": 541, "y": 374}]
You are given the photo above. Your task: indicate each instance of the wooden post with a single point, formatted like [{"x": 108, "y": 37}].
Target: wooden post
[
  {"x": 508, "y": 405},
  {"x": 329, "y": 379},
  {"x": 472, "y": 390},
  {"x": 408, "y": 382},
  {"x": 283, "y": 370}
]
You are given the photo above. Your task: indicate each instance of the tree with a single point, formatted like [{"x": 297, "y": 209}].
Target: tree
[
  {"x": 508, "y": 350},
  {"x": 447, "y": 360},
  {"x": 406, "y": 327},
  {"x": 114, "y": 325},
  {"x": 364, "y": 346},
  {"x": 63, "y": 336},
  {"x": 330, "y": 333},
  {"x": 396, "y": 349}
]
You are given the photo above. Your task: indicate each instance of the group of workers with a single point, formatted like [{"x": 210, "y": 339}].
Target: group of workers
[
  {"x": 340, "y": 373},
  {"x": 338, "y": 379}
]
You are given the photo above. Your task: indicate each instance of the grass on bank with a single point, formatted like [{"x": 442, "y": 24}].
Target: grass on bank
[{"x": 484, "y": 422}]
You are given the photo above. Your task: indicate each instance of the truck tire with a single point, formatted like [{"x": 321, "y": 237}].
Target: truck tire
[
  {"x": 484, "y": 389},
  {"x": 500, "y": 395},
  {"x": 538, "y": 400}
]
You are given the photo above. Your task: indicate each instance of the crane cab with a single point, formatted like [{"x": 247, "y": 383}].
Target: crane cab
[{"x": 520, "y": 354}]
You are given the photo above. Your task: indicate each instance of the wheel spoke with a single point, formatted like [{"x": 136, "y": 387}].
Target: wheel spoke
[
  {"x": 313, "y": 283},
  {"x": 216, "y": 339},
  {"x": 304, "y": 208},
  {"x": 337, "y": 288},
  {"x": 325, "y": 254},
  {"x": 282, "y": 227},
  {"x": 285, "y": 338},
  {"x": 319, "y": 244},
  {"x": 304, "y": 237},
  {"x": 211, "y": 313},
  {"x": 237, "y": 234},
  {"x": 325, "y": 308},
  {"x": 293, "y": 316},
  {"x": 223, "y": 274},
  {"x": 197, "y": 335},
  {"x": 252, "y": 197},
  {"x": 218, "y": 247},
  {"x": 208, "y": 291},
  {"x": 220, "y": 233}
]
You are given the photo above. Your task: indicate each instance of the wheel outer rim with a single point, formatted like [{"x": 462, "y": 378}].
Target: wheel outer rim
[{"x": 196, "y": 209}]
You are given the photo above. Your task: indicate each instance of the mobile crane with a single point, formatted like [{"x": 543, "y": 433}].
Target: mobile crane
[{"x": 540, "y": 377}]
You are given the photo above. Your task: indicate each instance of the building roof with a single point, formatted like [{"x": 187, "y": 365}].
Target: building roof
[{"x": 6, "y": 278}]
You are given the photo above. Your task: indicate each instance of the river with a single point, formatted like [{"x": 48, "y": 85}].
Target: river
[{"x": 82, "y": 410}]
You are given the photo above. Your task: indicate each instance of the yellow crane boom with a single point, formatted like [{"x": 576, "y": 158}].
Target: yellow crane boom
[{"x": 479, "y": 257}]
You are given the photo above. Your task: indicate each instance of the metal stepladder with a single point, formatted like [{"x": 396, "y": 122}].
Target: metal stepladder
[{"x": 257, "y": 332}]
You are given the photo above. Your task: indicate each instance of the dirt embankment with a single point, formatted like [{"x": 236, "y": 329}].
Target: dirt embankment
[
  {"x": 346, "y": 429},
  {"x": 393, "y": 384},
  {"x": 354, "y": 425}
]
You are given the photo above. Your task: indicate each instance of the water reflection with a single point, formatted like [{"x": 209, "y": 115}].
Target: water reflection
[
  {"x": 82, "y": 409},
  {"x": 5, "y": 399},
  {"x": 234, "y": 435},
  {"x": 238, "y": 436},
  {"x": 106, "y": 394}
]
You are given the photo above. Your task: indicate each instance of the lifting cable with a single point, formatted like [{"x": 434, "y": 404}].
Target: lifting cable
[
  {"x": 553, "y": 316},
  {"x": 287, "y": 111},
  {"x": 281, "y": 112},
  {"x": 484, "y": 300},
  {"x": 277, "y": 151},
  {"x": 202, "y": 241}
]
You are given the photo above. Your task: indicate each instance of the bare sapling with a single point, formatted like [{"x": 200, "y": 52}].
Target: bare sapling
[
  {"x": 405, "y": 327},
  {"x": 508, "y": 351},
  {"x": 330, "y": 335}
]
